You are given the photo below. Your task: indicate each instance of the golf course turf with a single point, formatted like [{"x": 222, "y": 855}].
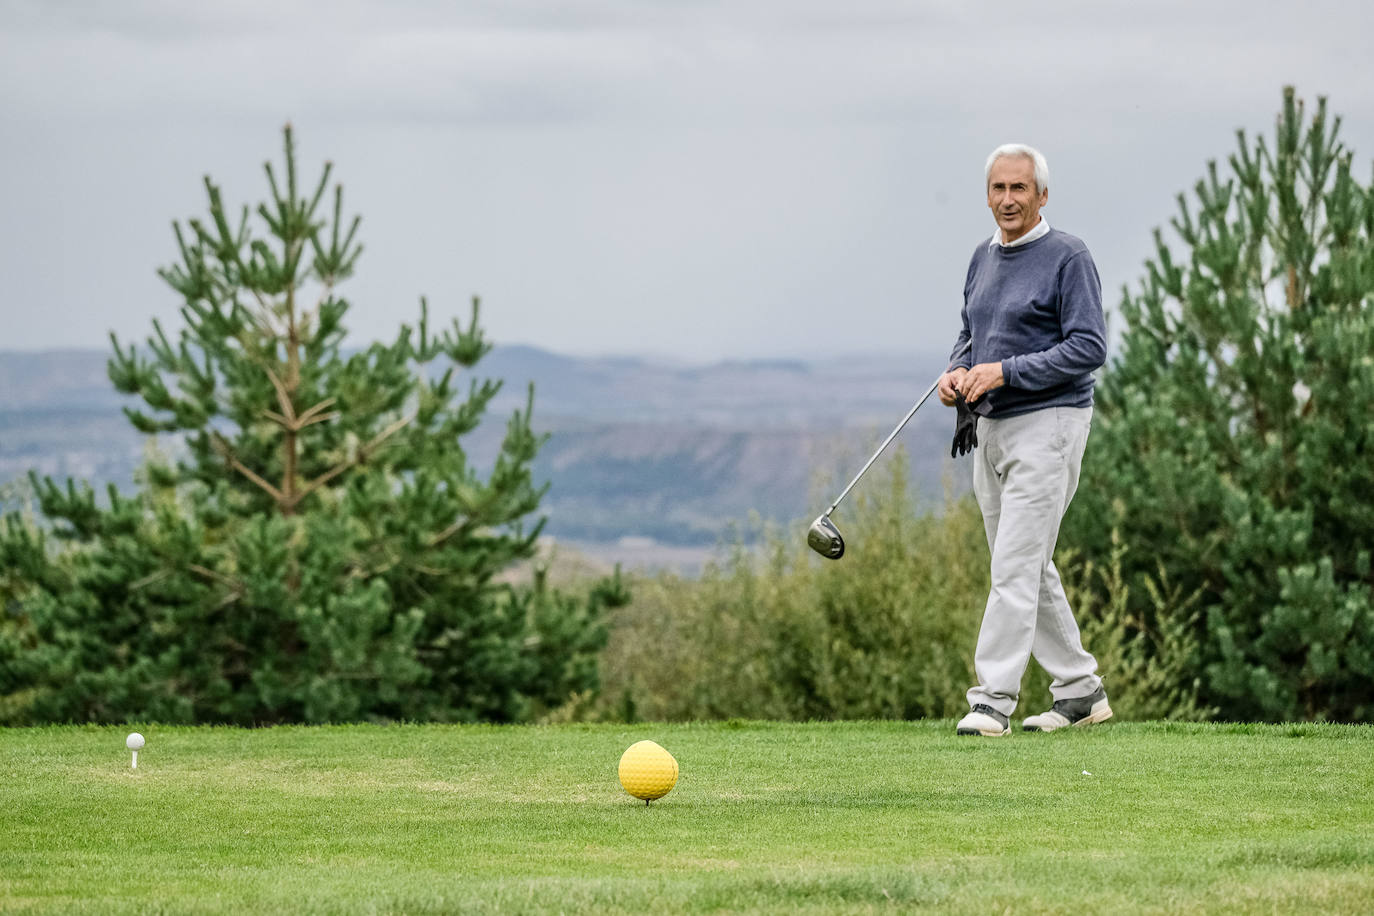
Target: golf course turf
[{"x": 817, "y": 817}]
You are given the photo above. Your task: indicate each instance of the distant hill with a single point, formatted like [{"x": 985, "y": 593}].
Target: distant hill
[{"x": 641, "y": 453}]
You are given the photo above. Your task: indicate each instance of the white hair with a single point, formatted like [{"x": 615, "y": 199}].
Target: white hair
[{"x": 1042, "y": 168}]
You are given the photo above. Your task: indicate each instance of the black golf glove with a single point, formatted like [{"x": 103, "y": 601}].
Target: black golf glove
[{"x": 965, "y": 427}]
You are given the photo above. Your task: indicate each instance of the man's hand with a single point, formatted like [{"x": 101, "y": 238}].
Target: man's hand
[
  {"x": 978, "y": 381},
  {"x": 949, "y": 385}
]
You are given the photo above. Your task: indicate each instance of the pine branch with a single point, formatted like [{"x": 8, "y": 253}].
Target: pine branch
[
  {"x": 150, "y": 579},
  {"x": 321, "y": 418},
  {"x": 310, "y": 415},
  {"x": 210, "y": 574},
  {"x": 236, "y": 589},
  {"x": 450, "y": 531},
  {"x": 324, "y": 297},
  {"x": 283, "y": 397},
  {"x": 309, "y": 418},
  {"x": 222, "y": 446},
  {"x": 364, "y": 452}
]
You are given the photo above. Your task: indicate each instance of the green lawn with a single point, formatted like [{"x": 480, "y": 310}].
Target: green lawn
[{"x": 850, "y": 817}]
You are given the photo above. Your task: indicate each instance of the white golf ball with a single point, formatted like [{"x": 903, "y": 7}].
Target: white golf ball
[{"x": 134, "y": 741}]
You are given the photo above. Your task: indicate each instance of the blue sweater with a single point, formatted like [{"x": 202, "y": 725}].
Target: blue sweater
[{"x": 1038, "y": 309}]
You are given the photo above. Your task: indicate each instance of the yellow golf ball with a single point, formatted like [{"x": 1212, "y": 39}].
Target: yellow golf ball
[{"x": 647, "y": 771}]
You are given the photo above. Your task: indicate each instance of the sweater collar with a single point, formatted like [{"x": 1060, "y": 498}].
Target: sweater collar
[{"x": 1041, "y": 229}]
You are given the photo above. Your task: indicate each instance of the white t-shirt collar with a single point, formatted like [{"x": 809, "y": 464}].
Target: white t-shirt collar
[{"x": 1039, "y": 230}]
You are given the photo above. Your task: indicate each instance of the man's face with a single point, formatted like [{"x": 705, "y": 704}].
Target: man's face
[{"x": 1012, "y": 197}]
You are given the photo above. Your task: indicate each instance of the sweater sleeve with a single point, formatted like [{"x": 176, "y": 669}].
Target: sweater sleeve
[
  {"x": 1084, "y": 328},
  {"x": 961, "y": 357}
]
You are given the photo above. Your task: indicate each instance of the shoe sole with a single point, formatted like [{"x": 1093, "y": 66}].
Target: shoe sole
[
  {"x": 986, "y": 734},
  {"x": 1092, "y": 718}
]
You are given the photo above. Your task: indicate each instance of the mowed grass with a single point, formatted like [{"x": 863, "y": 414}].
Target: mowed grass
[{"x": 822, "y": 817}]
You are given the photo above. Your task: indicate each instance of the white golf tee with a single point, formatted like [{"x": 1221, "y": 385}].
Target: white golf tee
[{"x": 133, "y": 743}]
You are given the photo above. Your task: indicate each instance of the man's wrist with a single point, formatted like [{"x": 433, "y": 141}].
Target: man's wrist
[{"x": 1009, "y": 370}]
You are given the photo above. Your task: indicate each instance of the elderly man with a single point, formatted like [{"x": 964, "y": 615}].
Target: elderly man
[{"x": 1033, "y": 309}]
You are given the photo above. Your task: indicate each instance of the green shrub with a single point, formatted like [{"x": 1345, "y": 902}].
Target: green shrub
[
  {"x": 775, "y": 631},
  {"x": 1151, "y": 672}
]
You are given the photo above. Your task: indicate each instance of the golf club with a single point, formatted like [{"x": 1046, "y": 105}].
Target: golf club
[{"x": 823, "y": 536}]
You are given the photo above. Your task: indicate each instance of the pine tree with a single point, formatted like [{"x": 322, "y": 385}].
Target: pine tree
[
  {"x": 1232, "y": 440},
  {"x": 324, "y": 550}
]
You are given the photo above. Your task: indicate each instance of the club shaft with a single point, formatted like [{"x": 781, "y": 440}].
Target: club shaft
[
  {"x": 893, "y": 435},
  {"x": 886, "y": 442}
]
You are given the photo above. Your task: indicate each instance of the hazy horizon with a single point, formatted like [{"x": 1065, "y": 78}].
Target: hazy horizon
[{"x": 662, "y": 360}]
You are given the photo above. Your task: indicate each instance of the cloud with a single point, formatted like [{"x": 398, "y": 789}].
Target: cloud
[
  {"x": 701, "y": 175},
  {"x": 495, "y": 62}
]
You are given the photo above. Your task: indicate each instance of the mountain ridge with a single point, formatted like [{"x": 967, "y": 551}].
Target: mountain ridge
[{"x": 639, "y": 451}]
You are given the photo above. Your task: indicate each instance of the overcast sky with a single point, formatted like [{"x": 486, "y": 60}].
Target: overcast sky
[{"x": 699, "y": 180}]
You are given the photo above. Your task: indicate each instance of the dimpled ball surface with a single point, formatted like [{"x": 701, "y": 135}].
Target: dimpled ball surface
[
  {"x": 134, "y": 741},
  {"x": 647, "y": 771}
]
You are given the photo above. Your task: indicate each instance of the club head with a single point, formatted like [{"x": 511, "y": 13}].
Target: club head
[{"x": 824, "y": 538}]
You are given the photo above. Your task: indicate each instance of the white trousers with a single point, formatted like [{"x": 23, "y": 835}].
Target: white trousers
[{"x": 1025, "y": 473}]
